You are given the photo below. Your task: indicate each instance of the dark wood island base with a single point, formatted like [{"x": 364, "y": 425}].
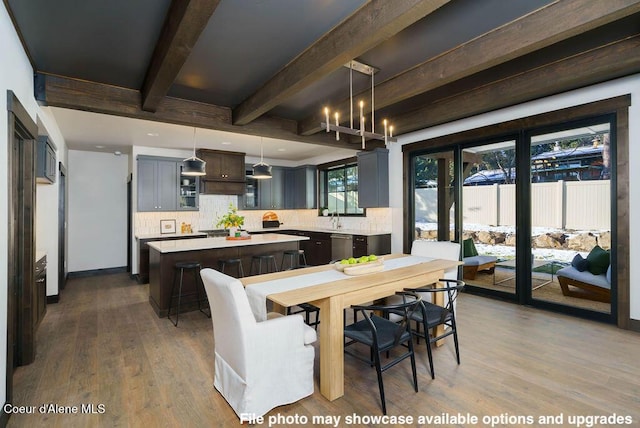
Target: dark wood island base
[{"x": 162, "y": 270}]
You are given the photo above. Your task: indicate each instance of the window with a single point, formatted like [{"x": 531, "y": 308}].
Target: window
[{"x": 339, "y": 188}]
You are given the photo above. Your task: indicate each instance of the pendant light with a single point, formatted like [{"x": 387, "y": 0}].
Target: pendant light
[
  {"x": 261, "y": 170},
  {"x": 193, "y": 166}
]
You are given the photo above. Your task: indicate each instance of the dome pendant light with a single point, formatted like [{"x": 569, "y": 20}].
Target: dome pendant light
[
  {"x": 261, "y": 170},
  {"x": 194, "y": 166}
]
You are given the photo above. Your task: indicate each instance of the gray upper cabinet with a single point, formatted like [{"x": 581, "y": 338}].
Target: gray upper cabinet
[
  {"x": 158, "y": 186},
  {"x": 272, "y": 190},
  {"x": 303, "y": 187},
  {"x": 45, "y": 161},
  {"x": 373, "y": 178}
]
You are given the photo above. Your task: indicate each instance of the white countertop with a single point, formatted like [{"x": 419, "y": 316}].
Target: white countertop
[
  {"x": 323, "y": 230},
  {"x": 178, "y": 245},
  {"x": 169, "y": 235}
]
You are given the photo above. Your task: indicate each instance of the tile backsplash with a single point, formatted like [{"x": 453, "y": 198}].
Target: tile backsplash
[{"x": 212, "y": 207}]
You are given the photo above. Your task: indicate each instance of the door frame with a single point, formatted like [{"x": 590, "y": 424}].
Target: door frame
[
  {"x": 617, "y": 106},
  {"x": 21, "y": 252}
]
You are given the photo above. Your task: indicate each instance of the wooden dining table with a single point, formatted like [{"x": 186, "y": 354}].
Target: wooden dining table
[{"x": 334, "y": 296}]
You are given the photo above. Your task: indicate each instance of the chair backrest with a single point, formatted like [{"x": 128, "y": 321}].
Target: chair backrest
[
  {"x": 438, "y": 250},
  {"x": 231, "y": 316},
  {"x": 404, "y": 307}
]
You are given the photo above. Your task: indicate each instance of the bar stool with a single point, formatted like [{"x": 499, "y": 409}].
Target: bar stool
[
  {"x": 182, "y": 266},
  {"x": 294, "y": 259},
  {"x": 237, "y": 262},
  {"x": 308, "y": 309},
  {"x": 268, "y": 259}
]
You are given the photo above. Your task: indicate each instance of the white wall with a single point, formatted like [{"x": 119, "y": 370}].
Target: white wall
[
  {"x": 97, "y": 210},
  {"x": 623, "y": 86}
]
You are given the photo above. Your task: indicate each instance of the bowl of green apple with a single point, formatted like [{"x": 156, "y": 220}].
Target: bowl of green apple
[{"x": 369, "y": 260}]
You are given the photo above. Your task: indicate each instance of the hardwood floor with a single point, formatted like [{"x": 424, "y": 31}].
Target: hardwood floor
[{"x": 104, "y": 345}]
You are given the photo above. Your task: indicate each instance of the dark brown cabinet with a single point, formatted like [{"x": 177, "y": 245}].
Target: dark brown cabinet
[
  {"x": 143, "y": 253},
  {"x": 374, "y": 244},
  {"x": 317, "y": 249},
  {"x": 225, "y": 173}
]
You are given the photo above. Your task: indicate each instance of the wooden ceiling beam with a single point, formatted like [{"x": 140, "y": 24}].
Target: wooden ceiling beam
[
  {"x": 541, "y": 28},
  {"x": 58, "y": 91},
  {"x": 616, "y": 59},
  {"x": 183, "y": 25},
  {"x": 373, "y": 23}
]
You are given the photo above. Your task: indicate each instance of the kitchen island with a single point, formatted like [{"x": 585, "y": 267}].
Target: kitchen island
[{"x": 163, "y": 255}]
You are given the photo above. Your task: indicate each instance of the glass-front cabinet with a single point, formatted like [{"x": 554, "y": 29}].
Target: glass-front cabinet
[{"x": 188, "y": 191}]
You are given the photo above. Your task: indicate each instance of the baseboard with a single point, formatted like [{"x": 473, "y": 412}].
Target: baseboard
[
  {"x": 96, "y": 272},
  {"x": 634, "y": 325},
  {"x": 53, "y": 299}
]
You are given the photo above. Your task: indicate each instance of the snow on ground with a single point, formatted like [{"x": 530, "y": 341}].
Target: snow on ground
[{"x": 508, "y": 252}]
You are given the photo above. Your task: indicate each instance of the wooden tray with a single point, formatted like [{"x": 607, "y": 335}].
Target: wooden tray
[
  {"x": 364, "y": 268},
  {"x": 238, "y": 238}
]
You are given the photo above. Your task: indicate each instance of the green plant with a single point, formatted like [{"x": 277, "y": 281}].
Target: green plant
[{"x": 231, "y": 218}]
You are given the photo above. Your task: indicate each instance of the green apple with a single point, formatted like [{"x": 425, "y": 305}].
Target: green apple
[
  {"x": 344, "y": 262},
  {"x": 363, "y": 259},
  {"x": 352, "y": 261},
  {"x": 373, "y": 257}
]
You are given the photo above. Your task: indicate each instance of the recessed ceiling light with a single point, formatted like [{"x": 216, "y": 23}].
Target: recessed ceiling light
[
  {"x": 153, "y": 134},
  {"x": 226, "y": 143},
  {"x": 99, "y": 147}
]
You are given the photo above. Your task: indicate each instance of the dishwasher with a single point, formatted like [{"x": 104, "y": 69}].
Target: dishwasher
[{"x": 341, "y": 246}]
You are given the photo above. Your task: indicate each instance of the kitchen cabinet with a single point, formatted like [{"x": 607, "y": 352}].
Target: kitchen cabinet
[
  {"x": 225, "y": 172},
  {"x": 302, "y": 187},
  {"x": 373, "y": 178},
  {"x": 45, "y": 161},
  {"x": 271, "y": 191},
  {"x": 373, "y": 244},
  {"x": 157, "y": 183},
  {"x": 318, "y": 248},
  {"x": 189, "y": 197}
]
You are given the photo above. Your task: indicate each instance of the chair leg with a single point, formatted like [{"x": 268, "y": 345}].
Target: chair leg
[
  {"x": 429, "y": 353},
  {"x": 179, "y": 300},
  {"x": 413, "y": 365},
  {"x": 198, "y": 284},
  {"x": 455, "y": 341},
  {"x": 380, "y": 384}
]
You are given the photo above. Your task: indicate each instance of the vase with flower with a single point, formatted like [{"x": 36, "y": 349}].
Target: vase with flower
[{"x": 231, "y": 221}]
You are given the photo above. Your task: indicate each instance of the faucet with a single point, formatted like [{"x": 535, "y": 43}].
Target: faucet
[{"x": 335, "y": 220}]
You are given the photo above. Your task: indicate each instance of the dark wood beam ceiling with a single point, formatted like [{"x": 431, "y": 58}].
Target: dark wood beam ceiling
[
  {"x": 553, "y": 23},
  {"x": 58, "y": 91},
  {"x": 607, "y": 62},
  {"x": 182, "y": 27},
  {"x": 373, "y": 23}
]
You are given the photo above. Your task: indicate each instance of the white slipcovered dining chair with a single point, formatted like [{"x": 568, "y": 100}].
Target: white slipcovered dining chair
[{"x": 258, "y": 365}]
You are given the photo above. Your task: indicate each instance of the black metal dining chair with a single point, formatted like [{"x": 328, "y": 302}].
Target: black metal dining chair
[
  {"x": 430, "y": 316},
  {"x": 382, "y": 335}
]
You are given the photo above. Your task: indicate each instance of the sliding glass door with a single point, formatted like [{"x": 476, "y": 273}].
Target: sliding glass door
[
  {"x": 534, "y": 215},
  {"x": 489, "y": 215},
  {"x": 570, "y": 182}
]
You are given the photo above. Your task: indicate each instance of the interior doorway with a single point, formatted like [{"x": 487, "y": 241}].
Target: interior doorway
[{"x": 21, "y": 251}]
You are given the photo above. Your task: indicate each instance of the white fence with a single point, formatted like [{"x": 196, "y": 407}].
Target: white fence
[{"x": 561, "y": 205}]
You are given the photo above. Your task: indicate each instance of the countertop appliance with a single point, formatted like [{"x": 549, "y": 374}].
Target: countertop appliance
[
  {"x": 270, "y": 219},
  {"x": 215, "y": 233}
]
